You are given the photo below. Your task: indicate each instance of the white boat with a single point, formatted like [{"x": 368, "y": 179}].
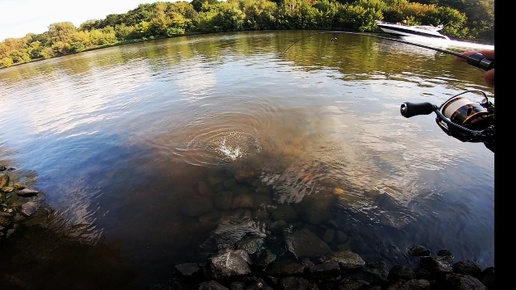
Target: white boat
[{"x": 398, "y": 29}]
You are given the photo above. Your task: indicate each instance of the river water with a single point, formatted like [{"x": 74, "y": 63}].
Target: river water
[{"x": 145, "y": 150}]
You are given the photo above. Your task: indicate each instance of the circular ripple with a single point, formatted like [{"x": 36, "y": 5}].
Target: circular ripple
[{"x": 220, "y": 146}]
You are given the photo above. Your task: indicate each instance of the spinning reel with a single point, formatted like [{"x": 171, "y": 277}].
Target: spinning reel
[{"x": 460, "y": 117}]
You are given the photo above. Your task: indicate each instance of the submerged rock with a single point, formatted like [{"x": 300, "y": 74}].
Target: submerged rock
[
  {"x": 29, "y": 208},
  {"x": 229, "y": 264},
  {"x": 305, "y": 244},
  {"x": 27, "y": 192}
]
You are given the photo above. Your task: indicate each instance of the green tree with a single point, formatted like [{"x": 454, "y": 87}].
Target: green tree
[
  {"x": 136, "y": 16},
  {"x": 6, "y": 62},
  {"x": 197, "y": 4},
  {"x": 224, "y": 16},
  {"x": 159, "y": 21},
  {"x": 101, "y": 37},
  {"x": 124, "y": 32},
  {"x": 61, "y": 32},
  {"x": 328, "y": 9},
  {"x": 35, "y": 49},
  {"x": 111, "y": 20},
  {"x": 43, "y": 38},
  {"x": 61, "y": 48},
  {"x": 89, "y": 25},
  {"x": 297, "y": 14},
  {"x": 183, "y": 15},
  {"x": 47, "y": 52},
  {"x": 141, "y": 31},
  {"x": 357, "y": 17},
  {"x": 259, "y": 14},
  {"x": 481, "y": 19},
  {"x": 19, "y": 56},
  {"x": 178, "y": 24},
  {"x": 454, "y": 21},
  {"x": 80, "y": 41}
]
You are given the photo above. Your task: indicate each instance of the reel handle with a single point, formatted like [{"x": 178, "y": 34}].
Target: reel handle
[{"x": 409, "y": 109}]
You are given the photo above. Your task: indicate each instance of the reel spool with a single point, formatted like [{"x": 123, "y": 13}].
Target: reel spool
[{"x": 467, "y": 115}]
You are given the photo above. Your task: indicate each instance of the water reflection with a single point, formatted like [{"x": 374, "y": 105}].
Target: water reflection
[{"x": 167, "y": 148}]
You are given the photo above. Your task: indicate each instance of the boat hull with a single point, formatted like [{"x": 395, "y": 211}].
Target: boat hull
[{"x": 400, "y": 30}]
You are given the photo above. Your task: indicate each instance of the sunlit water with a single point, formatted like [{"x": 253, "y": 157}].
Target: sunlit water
[
  {"x": 451, "y": 44},
  {"x": 140, "y": 147}
]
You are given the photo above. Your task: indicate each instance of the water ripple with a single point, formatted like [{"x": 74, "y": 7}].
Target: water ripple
[{"x": 221, "y": 131}]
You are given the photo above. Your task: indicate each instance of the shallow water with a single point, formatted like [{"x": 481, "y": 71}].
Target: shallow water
[{"x": 139, "y": 147}]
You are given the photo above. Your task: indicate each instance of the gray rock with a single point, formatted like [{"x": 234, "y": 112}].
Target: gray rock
[
  {"x": 418, "y": 251},
  {"x": 29, "y": 208},
  {"x": 374, "y": 273},
  {"x": 292, "y": 273},
  {"x": 435, "y": 265},
  {"x": 487, "y": 277},
  {"x": 284, "y": 212},
  {"x": 326, "y": 271},
  {"x": 454, "y": 281},
  {"x": 285, "y": 268},
  {"x": 467, "y": 267},
  {"x": 250, "y": 283},
  {"x": 27, "y": 192},
  {"x": 402, "y": 272},
  {"x": 347, "y": 260},
  {"x": 232, "y": 230},
  {"x": 446, "y": 255},
  {"x": 212, "y": 285},
  {"x": 265, "y": 259},
  {"x": 303, "y": 243},
  {"x": 229, "y": 264},
  {"x": 412, "y": 284},
  {"x": 297, "y": 283},
  {"x": 188, "y": 269},
  {"x": 251, "y": 245},
  {"x": 352, "y": 284}
]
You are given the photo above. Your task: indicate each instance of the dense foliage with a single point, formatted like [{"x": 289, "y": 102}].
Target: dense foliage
[{"x": 468, "y": 20}]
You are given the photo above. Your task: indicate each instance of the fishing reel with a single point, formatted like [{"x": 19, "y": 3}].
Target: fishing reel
[{"x": 460, "y": 117}]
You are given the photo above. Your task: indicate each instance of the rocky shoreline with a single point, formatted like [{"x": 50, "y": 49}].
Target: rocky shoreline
[
  {"x": 251, "y": 264},
  {"x": 17, "y": 202},
  {"x": 344, "y": 270}
]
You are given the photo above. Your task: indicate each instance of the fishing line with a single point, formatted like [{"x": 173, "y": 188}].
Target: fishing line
[{"x": 476, "y": 59}]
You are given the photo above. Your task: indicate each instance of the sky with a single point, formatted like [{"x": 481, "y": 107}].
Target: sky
[{"x": 19, "y": 17}]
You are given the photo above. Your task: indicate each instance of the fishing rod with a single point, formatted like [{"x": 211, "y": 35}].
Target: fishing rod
[
  {"x": 459, "y": 117},
  {"x": 476, "y": 59}
]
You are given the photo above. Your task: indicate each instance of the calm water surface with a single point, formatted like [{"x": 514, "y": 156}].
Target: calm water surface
[{"x": 148, "y": 151}]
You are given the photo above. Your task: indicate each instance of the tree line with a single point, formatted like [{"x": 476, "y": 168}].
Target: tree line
[{"x": 462, "y": 19}]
